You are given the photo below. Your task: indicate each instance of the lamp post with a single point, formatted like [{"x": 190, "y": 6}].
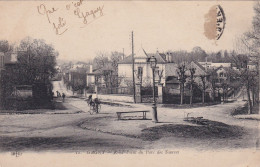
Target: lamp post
[{"x": 153, "y": 63}]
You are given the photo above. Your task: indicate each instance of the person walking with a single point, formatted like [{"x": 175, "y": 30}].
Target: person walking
[
  {"x": 57, "y": 92},
  {"x": 63, "y": 97}
]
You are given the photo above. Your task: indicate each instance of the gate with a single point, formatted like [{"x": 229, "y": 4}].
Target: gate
[{"x": 147, "y": 94}]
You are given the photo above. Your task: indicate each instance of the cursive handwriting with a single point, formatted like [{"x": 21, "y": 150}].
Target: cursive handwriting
[
  {"x": 78, "y": 4},
  {"x": 60, "y": 25},
  {"x": 43, "y": 11},
  {"x": 92, "y": 13},
  {"x": 56, "y": 26}
]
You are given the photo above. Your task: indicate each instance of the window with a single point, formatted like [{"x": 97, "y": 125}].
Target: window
[{"x": 140, "y": 72}]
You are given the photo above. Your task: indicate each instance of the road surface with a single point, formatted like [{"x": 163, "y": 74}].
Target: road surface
[{"x": 75, "y": 130}]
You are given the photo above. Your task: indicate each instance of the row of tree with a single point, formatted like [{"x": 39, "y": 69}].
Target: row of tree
[
  {"x": 249, "y": 45},
  {"x": 200, "y": 55},
  {"x": 208, "y": 81}
]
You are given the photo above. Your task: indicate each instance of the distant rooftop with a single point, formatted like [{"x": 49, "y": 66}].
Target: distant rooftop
[{"x": 160, "y": 57}]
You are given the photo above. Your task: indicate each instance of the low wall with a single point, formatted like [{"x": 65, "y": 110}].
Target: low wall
[{"x": 116, "y": 97}]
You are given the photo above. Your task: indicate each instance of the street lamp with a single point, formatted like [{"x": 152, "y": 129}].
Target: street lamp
[{"x": 153, "y": 63}]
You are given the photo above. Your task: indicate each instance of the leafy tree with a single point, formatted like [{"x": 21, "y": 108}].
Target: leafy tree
[
  {"x": 5, "y": 46},
  {"x": 198, "y": 54},
  {"x": 36, "y": 61}
]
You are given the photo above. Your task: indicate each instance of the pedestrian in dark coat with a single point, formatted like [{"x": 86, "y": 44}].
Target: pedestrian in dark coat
[{"x": 63, "y": 97}]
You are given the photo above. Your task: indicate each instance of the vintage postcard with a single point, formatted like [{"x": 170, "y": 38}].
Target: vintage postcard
[{"x": 129, "y": 83}]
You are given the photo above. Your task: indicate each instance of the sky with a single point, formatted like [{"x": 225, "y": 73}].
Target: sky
[{"x": 162, "y": 26}]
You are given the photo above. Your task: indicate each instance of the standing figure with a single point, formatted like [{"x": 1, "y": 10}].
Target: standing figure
[
  {"x": 57, "y": 92},
  {"x": 63, "y": 97}
]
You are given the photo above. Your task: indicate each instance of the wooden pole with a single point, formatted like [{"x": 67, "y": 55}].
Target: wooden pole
[
  {"x": 133, "y": 65},
  {"x": 123, "y": 53}
]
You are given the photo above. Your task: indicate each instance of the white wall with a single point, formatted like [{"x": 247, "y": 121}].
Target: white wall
[
  {"x": 90, "y": 80},
  {"x": 125, "y": 70}
]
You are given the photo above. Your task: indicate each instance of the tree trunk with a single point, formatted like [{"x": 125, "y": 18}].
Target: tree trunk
[
  {"x": 214, "y": 95},
  {"x": 191, "y": 94},
  {"x": 203, "y": 93},
  {"x": 249, "y": 99},
  {"x": 181, "y": 89},
  {"x": 203, "y": 97},
  {"x": 253, "y": 96}
]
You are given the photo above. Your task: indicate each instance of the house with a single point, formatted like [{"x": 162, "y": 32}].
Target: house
[
  {"x": 252, "y": 65},
  {"x": 142, "y": 68},
  {"x": 76, "y": 77},
  {"x": 172, "y": 79},
  {"x": 102, "y": 77},
  {"x": 208, "y": 65}
]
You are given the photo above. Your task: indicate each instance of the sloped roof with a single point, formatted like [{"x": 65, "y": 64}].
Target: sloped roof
[
  {"x": 200, "y": 70},
  {"x": 199, "y": 65},
  {"x": 160, "y": 57},
  {"x": 126, "y": 60},
  {"x": 80, "y": 69},
  {"x": 171, "y": 69},
  {"x": 99, "y": 71}
]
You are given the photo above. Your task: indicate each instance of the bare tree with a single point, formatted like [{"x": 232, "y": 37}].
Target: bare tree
[
  {"x": 181, "y": 71},
  {"x": 115, "y": 57},
  {"x": 203, "y": 80},
  {"x": 100, "y": 60},
  {"x": 212, "y": 79},
  {"x": 192, "y": 72}
]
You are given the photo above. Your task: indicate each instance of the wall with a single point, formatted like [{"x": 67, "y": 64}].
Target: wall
[
  {"x": 121, "y": 98},
  {"x": 125, "y": 70}
]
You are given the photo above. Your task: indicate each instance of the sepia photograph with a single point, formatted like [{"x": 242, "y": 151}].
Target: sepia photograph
[{"x": 126, "y": 82}]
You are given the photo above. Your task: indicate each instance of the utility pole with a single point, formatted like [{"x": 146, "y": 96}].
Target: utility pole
[
  {"x": 258, "y": 68},
  {"x": 133, "y": 65},
  {"x": 123, "y": 53}
]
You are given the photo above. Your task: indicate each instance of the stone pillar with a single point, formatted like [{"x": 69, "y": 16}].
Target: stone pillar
[
  {"x": 138, "y": 96},
  {"x": 96, "y": 90},
  {"x": 85, "y": 92},
  {"x": 160, "y": 93}
]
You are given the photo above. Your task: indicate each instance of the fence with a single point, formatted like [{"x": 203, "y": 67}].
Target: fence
[
  {"x": 147, "y": 94},
  {"x": 116, "y": 90},
  {"x": 172, "y": 96}
]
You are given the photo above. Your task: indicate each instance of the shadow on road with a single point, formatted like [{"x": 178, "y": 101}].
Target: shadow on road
[
  {"x": 211, "y": 130},
  {"x": 58, "y": 144}
]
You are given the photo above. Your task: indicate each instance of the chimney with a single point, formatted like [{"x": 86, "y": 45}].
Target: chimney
[
  {"x": 90, "y": 68},
  {"x": 168, "y": 56}
]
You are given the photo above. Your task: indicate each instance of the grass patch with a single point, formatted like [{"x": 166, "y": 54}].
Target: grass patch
[
  {"x": 244, "y": 110},
  {"x": 212, "y": 130},
  {"x": 116, "y": 104},
  {"x": 194, "y": 105}
]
